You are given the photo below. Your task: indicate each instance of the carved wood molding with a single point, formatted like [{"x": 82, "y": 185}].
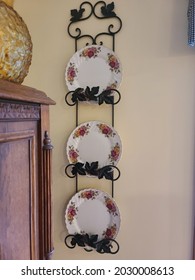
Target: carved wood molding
[{"x": 19, "y": 111}]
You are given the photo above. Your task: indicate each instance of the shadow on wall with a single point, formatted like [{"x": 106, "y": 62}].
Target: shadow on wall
[
  {"x": 179, "y": 29},
  {"x": 193, "y": 209}
]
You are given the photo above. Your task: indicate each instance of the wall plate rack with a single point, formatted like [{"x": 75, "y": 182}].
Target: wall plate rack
[{"x": 110, "y": 95}]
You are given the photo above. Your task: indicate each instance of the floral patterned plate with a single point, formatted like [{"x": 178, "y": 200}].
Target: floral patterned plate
[
  {"x": 92, "y": 211},
  {"x": 94, "y": 141},
  {"x": 93, "y": 66}
]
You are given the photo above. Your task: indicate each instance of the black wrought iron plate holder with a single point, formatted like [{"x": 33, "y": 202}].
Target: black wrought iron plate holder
[{"x": 101, "y": 11}]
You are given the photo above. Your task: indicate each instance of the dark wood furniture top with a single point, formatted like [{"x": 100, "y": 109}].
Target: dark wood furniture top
[{"x": 12, "y": 91}]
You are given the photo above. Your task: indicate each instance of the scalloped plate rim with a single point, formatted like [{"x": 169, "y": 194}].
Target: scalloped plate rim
[
  {"x": 76, "y": 60},
  {"x": 75, "y": 143},
  {"x": 78, "y": 201}
]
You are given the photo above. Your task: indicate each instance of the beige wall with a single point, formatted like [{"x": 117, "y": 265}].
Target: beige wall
[{"x": 155, "y": 119}]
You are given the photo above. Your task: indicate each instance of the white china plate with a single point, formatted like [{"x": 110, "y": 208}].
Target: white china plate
[
  {"x": 93, "y": 66},
  {"x": 92, "y": 211},
  {"x": 94, "y": 141}
]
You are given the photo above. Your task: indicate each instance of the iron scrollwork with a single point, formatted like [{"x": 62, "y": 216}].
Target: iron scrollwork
[
  {"x": 101, "y": 11},
  {"x": 90, "y": 243},
  {"x": 92, "y": 169},
  {"x": 88, "y": 95}
]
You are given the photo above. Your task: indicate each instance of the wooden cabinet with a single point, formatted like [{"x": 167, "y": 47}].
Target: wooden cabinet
[{"x": 25, "y": 173}]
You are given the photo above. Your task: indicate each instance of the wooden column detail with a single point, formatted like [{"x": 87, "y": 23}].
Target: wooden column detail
[
  {"x": 47, "y": 155},
  {"x": 194, "y": 245}
]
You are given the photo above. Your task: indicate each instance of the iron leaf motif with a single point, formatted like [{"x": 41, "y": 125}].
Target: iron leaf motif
[
  {"x": 90, "y": 240},
  {"x": 76, "y": 14},
  {"x": 78, "y": 169},
  {"x": 107, "y": 10},
  {"x": 106, "y": 172},
  {"x": 106, "y": 97},
  {"x": 102, "y": 246},
  {"x": 78, "y": 239},
  {"x": 92, "y": 168},
  {"x": 78, "y": 95},
  {"x": 91, "y": 94}
]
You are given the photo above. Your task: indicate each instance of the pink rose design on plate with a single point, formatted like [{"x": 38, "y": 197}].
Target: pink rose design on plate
[
  {"x": 114, "y": 155},
  {"x": 90, "y": 52},
  {"x": 106, "y": 130},
  {"x": 113, "y": 63},
  {"x": 73, "y": 154},
  {"x": 81, "y": 131},
  {"x": 90, "y": 194},
  {"x": 110, "y": 232},
  {"x": 111, "y": 206},
  {"x": 72, "y": 211},
  {"x": 71, "y": 73}
]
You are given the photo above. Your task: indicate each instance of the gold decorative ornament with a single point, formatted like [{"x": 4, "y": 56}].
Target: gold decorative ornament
[
  {"x": 15, "y": 44},
  {"x": 9, "y": 2}
]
